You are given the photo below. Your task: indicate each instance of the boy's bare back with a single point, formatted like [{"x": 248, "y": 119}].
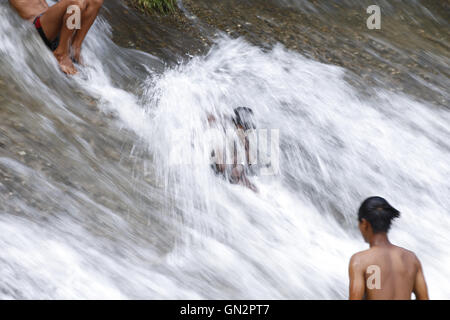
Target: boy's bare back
[{"x": 398, "y": 269}]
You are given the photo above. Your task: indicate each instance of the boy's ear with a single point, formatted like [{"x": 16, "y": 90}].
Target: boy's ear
[{"x": 365, "y": 224}]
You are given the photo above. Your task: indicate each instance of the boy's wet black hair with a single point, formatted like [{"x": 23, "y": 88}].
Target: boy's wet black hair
[
  {"x": 378, "y": 212},
  {"x": 243, "y": 116}
]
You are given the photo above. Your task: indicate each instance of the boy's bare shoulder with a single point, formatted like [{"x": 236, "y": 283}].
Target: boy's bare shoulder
[
  {"x": 408, "y": 256},
  {"x": 406, "y": 252},
  {"x": 362, "y": 254},
  {"x": 359, "y": 258}
]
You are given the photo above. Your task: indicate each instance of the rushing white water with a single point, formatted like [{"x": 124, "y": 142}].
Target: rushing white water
[{"x": 190, "y": 234}]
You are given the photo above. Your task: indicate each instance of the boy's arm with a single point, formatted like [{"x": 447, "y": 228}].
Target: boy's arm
[
  {"x": 420, "y": 286},
  {"x": 357, "y": 286}
]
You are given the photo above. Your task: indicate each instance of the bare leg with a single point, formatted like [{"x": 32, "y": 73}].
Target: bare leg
[
  {"x": 88, "y": 17},
  {"x": 53, "y": 22},
  {"x": 238, "y": 177}
]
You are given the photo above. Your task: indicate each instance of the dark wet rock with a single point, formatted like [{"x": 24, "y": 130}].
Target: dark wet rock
[
  {"x": 335, "y": 34},
  {"x": 170, "y": 36}
]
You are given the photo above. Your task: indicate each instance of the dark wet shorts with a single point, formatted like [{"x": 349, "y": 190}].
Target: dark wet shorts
[{"x": 52, "y": 45}]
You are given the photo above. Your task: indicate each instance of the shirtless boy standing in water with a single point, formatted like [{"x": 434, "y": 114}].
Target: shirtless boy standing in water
[
  {"x": 58, "y": 35},
  {"x": 385, "y": 271}
]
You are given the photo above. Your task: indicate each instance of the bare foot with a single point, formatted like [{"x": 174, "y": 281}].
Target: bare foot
[
  {"x": 77, "y": 58},
  {"x": 65, "y": 63}
]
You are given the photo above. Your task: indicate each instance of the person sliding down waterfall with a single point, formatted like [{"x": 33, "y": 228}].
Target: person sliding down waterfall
[
  {"x": 52, "y": 25},
  {"x": 235, "y": 172}
]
